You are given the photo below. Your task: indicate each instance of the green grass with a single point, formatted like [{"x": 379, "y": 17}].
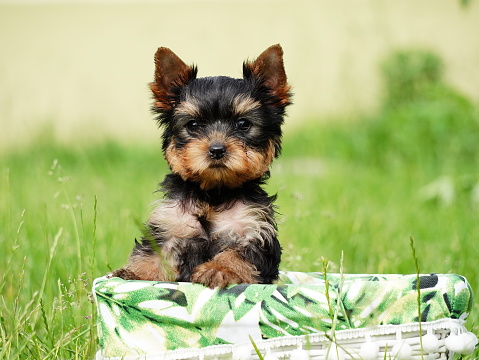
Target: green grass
[
  {"x": 69, "y": 214},
  {"x": 55, "y": 240},
  {"x": 62, "y": 212}
]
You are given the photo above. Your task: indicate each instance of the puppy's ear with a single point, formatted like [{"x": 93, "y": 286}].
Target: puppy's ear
[
  {"x": 269, "y": 68},
  {"x": 170, "y": 73}
]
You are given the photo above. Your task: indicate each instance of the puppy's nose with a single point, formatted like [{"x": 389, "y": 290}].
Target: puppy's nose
[{"x": 217, "y": 151}]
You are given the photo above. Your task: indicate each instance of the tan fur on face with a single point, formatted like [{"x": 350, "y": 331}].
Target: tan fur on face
[
  {"x": 240, "y": 164},
  {"x": 242, "y": 104},
  {"x": 188, "y": 107}
]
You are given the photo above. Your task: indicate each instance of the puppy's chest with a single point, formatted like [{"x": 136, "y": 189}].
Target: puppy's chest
[
  {"x": 201, "y": 221},
  {"x": 216, "y": 222}
]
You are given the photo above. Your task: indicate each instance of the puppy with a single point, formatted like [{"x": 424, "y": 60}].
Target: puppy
[{"x": 215, "y": 225}]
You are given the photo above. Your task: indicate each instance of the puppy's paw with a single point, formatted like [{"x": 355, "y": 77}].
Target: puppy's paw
[
  {"x": 124, "y": 274},
  {"x": 145, "y": 267},
  {"x": 225, "y": 268},
  {"x": 214, "y": 275}
]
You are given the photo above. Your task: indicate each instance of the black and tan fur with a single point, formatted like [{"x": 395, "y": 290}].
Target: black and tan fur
[{"x": 215, "y": 225}]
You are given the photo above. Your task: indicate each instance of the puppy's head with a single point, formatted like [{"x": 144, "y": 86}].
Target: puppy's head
[{"x": 220, "y": 131}]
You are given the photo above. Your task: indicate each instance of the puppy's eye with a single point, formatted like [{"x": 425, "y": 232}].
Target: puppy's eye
[
  {"x": 242, "y": 125},
  {"x": 192, "y": 125}
]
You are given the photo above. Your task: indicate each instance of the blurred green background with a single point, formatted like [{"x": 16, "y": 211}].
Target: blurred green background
[
  {"x": 381, "y": 144},
  {"x": 80, "y": 69}
]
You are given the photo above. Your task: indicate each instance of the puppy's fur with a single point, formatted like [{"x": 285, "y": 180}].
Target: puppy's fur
[{"x": 215, "y": 225}]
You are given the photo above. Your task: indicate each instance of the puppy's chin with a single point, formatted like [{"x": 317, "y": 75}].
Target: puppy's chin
[
  {"x": 218, "y": 176},
  {"x": 217, "y": 165}
]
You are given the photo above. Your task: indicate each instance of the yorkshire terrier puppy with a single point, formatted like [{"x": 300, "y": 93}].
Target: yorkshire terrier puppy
[{"x": 215, "y": 225}]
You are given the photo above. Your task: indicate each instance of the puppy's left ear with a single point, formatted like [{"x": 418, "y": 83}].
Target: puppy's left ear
[
  {"x": 170, "y": 73},
  {"x": 269, "y": 68}
]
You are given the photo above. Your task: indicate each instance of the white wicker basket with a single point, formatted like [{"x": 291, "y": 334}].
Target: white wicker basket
[
  {"x": 439, "y": 341},
  {"x": 183, "y": 321}
]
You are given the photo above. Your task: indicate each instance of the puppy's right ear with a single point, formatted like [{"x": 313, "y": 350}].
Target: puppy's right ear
[
  {"x": 170, "y": 73},
  {"x": 268, "y": 68}
]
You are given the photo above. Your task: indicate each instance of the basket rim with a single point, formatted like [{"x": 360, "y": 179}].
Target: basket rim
[{"x": 340, "y": 337}]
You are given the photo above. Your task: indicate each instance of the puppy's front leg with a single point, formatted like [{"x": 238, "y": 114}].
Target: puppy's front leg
[
  {"x": 146, "y": 264},
  {"x": 172, "y": 249},
  {"x": 243, "y": 241}
]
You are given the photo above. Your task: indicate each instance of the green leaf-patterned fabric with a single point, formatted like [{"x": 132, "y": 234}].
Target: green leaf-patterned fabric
[{"x": 150, "y": 317}]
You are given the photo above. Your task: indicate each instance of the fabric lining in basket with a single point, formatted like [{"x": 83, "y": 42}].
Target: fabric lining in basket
[{"x": 303, "y": 316}]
